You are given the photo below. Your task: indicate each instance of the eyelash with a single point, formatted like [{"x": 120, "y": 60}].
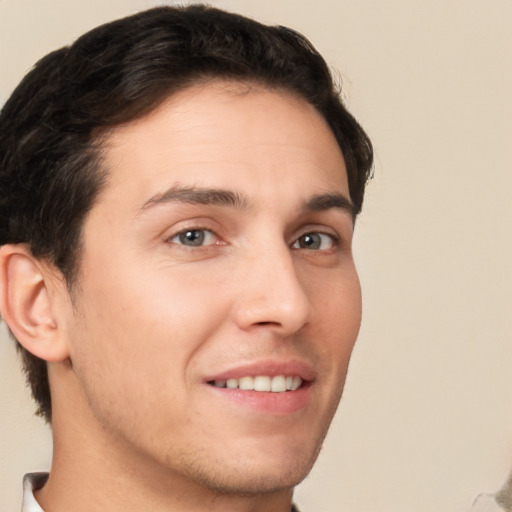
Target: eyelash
[{"x": 178, "y": 239}]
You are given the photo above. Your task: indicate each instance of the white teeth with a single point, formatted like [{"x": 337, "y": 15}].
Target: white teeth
[
  {"x": 297, "y": 381},
  {"x": 277, "y": 384},
  {"x": 246, "y": 383},
  {"x": 232, "y": 383},
  {"x": 262, "y": 383}
]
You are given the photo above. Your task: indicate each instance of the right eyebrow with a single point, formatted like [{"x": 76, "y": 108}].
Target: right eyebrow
[
  {"x": 197, "y": 195},
  {"x": 322, "y": 202}
]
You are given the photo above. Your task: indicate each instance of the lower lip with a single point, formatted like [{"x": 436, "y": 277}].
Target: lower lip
[{"x": 283, "y": 403}]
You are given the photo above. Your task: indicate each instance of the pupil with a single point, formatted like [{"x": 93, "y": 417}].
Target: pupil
[
  {"x": 310, "y": 241},
  {"x": 193, "y": 237}
]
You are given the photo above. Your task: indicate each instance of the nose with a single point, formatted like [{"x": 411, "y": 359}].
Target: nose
[{"x": 271, "y": 293}]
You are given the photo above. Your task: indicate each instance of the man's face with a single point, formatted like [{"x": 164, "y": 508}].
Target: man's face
[{"x": 217, "y": 258}]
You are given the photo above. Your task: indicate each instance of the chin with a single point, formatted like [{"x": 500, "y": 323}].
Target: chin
[
  {"x": 255, "y": 483},
  {"x": 256, "y": 475}
]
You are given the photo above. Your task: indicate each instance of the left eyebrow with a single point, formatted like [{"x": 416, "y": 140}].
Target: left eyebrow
[
  {"x": 198, "y": 195},
  {"x": 321, "y": 202}
]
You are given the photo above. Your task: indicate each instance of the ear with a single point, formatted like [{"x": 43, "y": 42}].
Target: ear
[{"x": 27, "y": 289}]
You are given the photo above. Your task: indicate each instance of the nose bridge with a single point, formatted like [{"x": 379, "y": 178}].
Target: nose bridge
[{"x": 271, "y": 291}]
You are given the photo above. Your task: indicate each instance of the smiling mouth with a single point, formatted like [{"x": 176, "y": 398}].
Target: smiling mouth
[{"x": 262, "y": 383}]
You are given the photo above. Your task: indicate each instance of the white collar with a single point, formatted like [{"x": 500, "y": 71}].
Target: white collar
[{"x": 32, "y": 482}]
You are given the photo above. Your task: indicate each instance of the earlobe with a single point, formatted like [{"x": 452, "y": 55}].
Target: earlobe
[{"x": 26, "y": 303}]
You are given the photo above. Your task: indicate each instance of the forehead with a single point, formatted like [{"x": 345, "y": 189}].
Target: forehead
[{"x": 225, "y": 134}]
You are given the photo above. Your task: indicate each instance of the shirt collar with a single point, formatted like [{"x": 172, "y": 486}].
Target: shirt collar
[{"x": 32, "y": 482}]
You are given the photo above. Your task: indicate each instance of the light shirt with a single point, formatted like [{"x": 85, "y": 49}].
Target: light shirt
[{"x": 32, "y": 482}]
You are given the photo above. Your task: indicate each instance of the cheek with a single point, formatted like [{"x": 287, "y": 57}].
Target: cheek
[
  {"x": 338, "y": 311},
  {"x": 164, "y": 302},
  {"x": 337, "y": 301},
  {"x": 136, "y": 336}
]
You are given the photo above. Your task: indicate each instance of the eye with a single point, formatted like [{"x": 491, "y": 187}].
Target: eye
[
  {"x": 315, "y": 242},
  {"x": 194, "y": 238}
]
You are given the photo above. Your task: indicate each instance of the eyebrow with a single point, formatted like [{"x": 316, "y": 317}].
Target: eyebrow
[
  {"x": 321, "y": 202},
  {"x": 198, "y": 195},
  {"x": 229, "y": 198}
]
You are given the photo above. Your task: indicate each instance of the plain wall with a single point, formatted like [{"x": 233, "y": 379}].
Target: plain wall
[{"x": 426, "y": 420}]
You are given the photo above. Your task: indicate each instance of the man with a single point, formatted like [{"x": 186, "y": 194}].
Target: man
[{"x": 178, "y": 196}]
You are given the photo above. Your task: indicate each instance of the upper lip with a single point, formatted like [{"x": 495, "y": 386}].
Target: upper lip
[{"x": 269, "y": 367}]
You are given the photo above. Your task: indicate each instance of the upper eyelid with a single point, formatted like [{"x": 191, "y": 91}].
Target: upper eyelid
[
  {"x": 320, "y": 229},
  {"x": 190, "y": 224}
]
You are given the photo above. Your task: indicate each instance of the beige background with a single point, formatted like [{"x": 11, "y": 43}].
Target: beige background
[{"x": 426, "y": 420}]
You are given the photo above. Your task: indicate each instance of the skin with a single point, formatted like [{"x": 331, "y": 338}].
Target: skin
[{"x": 135, "y": 423}]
